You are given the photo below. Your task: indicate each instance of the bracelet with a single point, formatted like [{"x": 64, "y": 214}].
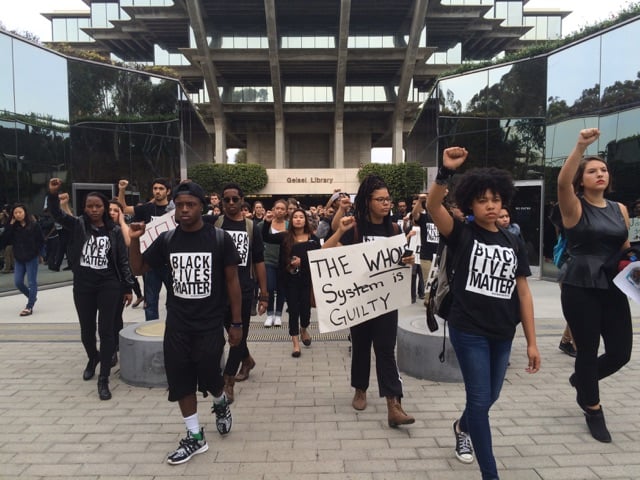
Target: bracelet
[
  {"x": 236, "y": 325},
  {"x": 444, "y": 175}
]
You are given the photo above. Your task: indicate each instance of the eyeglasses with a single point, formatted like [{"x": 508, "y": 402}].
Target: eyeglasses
[
  {"x": 231, "y": 199},
  {"x": 382, "y": 199}
]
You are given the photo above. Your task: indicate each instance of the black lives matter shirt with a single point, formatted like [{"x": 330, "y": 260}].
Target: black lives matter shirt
[
  {"x": 485, "y": 299},
  {"x": 197, "y": 300},
  {"x": 251, "y": 251},
  {"x": 95, "y": 265},
  {"x": 429, "y": 237}
]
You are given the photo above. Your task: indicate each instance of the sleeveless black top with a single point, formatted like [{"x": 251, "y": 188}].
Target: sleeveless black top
[{"x": 599, "y": 233}]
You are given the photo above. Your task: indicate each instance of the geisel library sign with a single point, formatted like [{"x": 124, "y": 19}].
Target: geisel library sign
[{"x": 310, "y": 181}]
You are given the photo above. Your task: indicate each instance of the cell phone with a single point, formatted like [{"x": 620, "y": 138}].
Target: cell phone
[{"x": 406, "y": 253}]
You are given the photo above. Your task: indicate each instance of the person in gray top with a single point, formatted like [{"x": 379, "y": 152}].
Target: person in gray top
[{"x": 597, "y": 231}]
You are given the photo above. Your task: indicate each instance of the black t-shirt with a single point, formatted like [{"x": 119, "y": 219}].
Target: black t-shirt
[
  {"x": 373, "y": 231},
  {"x": 95, "y": 265},
  {"x": 251, "y": 251},
  {"x": 429, "y": 237},
  {"x": 148, "y": 211},
  {"x": 198, "y": 299},
  {"x": 485, "y": 298}
]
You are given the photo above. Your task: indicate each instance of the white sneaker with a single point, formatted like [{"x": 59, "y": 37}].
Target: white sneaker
[
  {"x": 269, "y": 321},
  {"x": 277, "y": 321}
]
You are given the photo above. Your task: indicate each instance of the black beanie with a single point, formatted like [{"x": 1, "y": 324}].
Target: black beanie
[{"x": 190, "y": 188}]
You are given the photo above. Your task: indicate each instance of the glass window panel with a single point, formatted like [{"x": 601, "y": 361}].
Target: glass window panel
[
  {"x": 240, "y": 42},
  {"x": 98, "y": 15},
  {"x": 514, "y": 17},
  {"x": 253, "y": 42},
  {"x": 554, "y": 28},
  {"x": 501, "y": 10},
  {"x": 375, "y": 42},
  {"x": 113, "y": 12},
  {"x": 6, "y": 74},
  {"x": 516, "y": 90},
  {"x": 573, "y": 81},
  {"x": 470, "y": 132},
  {"x": 620, "y": 68},
  {"x": 464, "y": 94},
  {"x": 307, "y": 42},
  {"x": 59, "y": 30},
  {"x": 31, "y": 99}
]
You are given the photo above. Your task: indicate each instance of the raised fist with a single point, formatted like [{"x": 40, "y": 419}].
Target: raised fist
[
  {"x": 588, "y": 136},
  {"x": 453, "y": 157},
  {"x": 64, "y": 198},
  {"x": 123, "y": 184},
  {"x": 54, "y": 185}
]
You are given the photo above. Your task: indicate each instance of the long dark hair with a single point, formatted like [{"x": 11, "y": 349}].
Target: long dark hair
[
  {"x": 578, "y": 187},
  {"x": 290, "y": 238},
  {"x": 27, "y": 218},
  {"x": 106, "y": 219},
  {"x": 370, "y": 184}
]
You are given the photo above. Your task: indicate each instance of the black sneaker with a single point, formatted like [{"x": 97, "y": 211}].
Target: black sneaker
[
  {"x": 223, "y": 415},
  {"x": 568, "y": 348},
  {"x": 464, "y": 448},
  {"x": 187, "y": 448}
]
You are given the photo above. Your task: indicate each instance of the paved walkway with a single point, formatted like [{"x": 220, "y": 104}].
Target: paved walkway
[{"x": 293, "y": 418}]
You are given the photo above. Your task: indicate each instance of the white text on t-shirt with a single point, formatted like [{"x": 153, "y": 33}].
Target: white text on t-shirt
[
  {"x": 492, "y": 270},
  {"x": 192, "y": 276}
]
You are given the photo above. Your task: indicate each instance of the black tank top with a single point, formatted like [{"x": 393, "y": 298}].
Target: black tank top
[{"x": 599, "y": 233}]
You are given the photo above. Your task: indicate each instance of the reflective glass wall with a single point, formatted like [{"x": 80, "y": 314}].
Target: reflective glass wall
[
  {"x": 87, "y": 123},
  {"x": 526, "y": 116}
]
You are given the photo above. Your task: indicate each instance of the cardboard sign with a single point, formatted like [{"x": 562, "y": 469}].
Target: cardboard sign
[
  {"x": 155, "y": 227},
  {"x": 355, "y": 283}
]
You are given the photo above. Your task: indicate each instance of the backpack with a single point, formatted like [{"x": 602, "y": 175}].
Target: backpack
[
  {"x": 440, "y": 293},
  {"x": 560, "y": 253}
]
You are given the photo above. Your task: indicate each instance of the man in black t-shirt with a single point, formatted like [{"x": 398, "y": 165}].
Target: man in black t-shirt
[
  {"x": 204, "y": 274},
  {"x": 146, "y": 212},
  {"x": 248, "y": 241}
]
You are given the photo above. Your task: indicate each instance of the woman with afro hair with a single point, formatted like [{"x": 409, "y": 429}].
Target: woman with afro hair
[{"x": 490, "y": 296}]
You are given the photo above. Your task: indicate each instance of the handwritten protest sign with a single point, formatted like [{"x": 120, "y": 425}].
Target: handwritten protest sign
[
  {"x": 628, "y": 280},
  {"x": 355, "y": 283},
  {"x": 155, "y": 227}
]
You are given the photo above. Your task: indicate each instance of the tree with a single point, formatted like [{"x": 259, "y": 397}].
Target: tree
[{"x": 241, "y": 156}]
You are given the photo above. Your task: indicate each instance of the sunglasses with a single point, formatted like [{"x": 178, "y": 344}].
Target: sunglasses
[{"x": 231, "y": 199}]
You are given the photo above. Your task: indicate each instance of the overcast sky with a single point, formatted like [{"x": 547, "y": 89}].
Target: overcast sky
[{"x": 25, "y": 14}]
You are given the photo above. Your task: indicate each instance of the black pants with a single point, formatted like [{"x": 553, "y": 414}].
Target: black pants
[
  {"x": 592, "y": 313},
  {"x": 298, "y": 291},
  {"x": 102, "y": 299},
  {"x": 240, "y": 351},
  {"x": 380, "y": 332}
]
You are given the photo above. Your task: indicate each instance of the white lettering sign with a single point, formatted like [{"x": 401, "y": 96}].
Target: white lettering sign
[
  {"x": 155, "y": 227},
  {"x": 355, "y": 283}
]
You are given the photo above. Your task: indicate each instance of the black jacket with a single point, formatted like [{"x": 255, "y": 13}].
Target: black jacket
[
  {"x": 79, "y": 236},
  {"x": 27, "y": 241}
]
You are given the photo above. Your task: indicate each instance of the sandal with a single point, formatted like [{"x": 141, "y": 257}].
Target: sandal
[{"x": 26, "y": 312}]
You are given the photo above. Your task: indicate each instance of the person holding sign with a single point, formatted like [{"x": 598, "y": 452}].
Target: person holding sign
[
  {"x": 372, "y": 220},
  {"x": 204, "y": 271},
  {"x": 101, "y": 277},
  {"x": 294, "y": 271},
  {"x": 596, "y": 230},
  {"x": 490, "y": 296}
]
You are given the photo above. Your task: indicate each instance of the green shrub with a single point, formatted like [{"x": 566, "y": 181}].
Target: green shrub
[
  {"x": 213, "y": 176},
  {"x": 403, "y": 180}
]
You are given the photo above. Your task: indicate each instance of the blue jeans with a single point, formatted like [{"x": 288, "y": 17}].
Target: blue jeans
[
  {"x": 153, "y": 281},
  {"x": 29, "y": 267},
  {"x": 276, "y": 291},
  {"x": 483, "y": 363}
]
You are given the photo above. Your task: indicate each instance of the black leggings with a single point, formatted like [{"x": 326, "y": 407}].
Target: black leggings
[
  {"x": 592, "y": 313},
  {"x": 102, "y": 299},
  {"x": 298, "y": 291}
]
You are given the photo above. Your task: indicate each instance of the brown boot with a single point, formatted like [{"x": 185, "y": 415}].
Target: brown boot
[
  {"x": 229, "y": 382},
  {"x": 397, "y": 416},
  {"x": 247, "y": 365},
  {"x": 359, "y": 400}
]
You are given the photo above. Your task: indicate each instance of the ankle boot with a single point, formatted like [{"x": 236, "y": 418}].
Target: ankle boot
[
  {"x": 229, "y": 382},
  {"x": 359, "y": 399},
  {"x": 397, "y": 416},
  {"x": 247, "y": 365},
  {"x": 103, "y": 388},
  {"x": 90, "y": 369},
  {"x": 597, "y": 425}
]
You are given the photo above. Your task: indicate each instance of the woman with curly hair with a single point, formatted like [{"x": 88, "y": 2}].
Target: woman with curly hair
[
  {"x": 490, "y": 296},
  {"x": 597, "y": 230},
  {"x": 27, "y": 239},
  {"x": 294, "y": 271},
  {"x": 372, "y": 220}
]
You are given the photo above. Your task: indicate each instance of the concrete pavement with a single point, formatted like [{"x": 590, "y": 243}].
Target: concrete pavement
[{"x": 293, "y": 417}]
